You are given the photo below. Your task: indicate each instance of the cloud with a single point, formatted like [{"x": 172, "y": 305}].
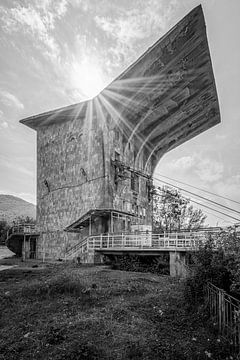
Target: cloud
[
  {"x": 183, "y": 163},
  {"x": 206, "y": 169},
  {"x": 137, "y": 24},
  {"x": 221, "y": 137},
  {"x": 229, "y": 187},
  {"x": 209, "y": 170},
  {"x": 36, "y": 20},
  {"x": 3, "y": 124},
  {"x": 4, "y": 162},
  {"x": 10, "y": 100}
]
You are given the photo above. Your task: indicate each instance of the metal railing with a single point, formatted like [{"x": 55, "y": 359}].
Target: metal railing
[
  {"x": 76, "y": 248},
  {"x": 165, "y": 241},
  {"x": 22, "y": 229},
  {"x": 224, "y": 311},
  {"x": 144, "y": 241}
]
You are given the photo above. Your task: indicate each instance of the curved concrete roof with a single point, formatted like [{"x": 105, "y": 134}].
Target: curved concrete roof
[{"x": 166, "y": 97}]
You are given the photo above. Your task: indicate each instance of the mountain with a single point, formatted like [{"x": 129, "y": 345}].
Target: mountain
[{"x": 12, "y": 207}]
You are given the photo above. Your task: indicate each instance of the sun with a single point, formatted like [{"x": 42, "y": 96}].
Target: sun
[{"x": 88, "y": 78}]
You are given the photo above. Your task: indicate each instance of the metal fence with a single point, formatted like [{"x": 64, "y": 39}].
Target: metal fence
[
  {"x": 224, "y": 311},
  {"x": 22, "y": 229}
]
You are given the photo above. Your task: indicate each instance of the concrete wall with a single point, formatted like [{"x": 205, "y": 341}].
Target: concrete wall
[
  {"x": 177, "y": 264},
  {"x": 70, "y": 180},
  {"x": 76, "y": 173}
]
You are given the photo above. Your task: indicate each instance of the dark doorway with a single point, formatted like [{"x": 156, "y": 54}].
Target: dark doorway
[{"x": 33, "y": 247}]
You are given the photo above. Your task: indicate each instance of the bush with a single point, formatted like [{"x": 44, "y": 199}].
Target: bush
[
  {"x": 214, "y": 263},
  {"x": 157, "y": 264}
]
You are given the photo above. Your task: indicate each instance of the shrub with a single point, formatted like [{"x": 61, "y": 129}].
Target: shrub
[
  {"x": 157, "y": 264},
  {"x": 215, "y": 263}
]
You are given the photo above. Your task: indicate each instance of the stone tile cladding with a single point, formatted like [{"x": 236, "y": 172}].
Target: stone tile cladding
[
  {"x": 75, "y": 173},
  {"x": 70, "y": 180}
]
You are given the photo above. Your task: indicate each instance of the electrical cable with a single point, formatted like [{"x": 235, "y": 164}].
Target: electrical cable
[
  {"x": 195, "y": 187},
  {"x": 220, "y": 212},
  {"x": 208, "y": 207},
  {"x": 199, "y": 196}
]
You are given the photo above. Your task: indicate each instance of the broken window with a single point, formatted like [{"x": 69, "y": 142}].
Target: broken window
[
  {"x": 134, "y": 182},
  {"x": 117, "y": 156}
]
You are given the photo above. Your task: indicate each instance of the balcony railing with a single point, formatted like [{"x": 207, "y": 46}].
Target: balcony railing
[
  {"x": 22, "y": 229},
  {"x": 146, "y": 241}
]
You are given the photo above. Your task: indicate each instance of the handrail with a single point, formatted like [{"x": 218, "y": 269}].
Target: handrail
[
  {"x": 171, "y": 241},
  {"x": 224, "y": 310},
  {"x": 76, "y": 246},
  {"x": 22, "y": 229},
  {"x": 147, "y": 240}
]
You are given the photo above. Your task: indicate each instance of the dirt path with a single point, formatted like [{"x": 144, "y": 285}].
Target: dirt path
[
  {"x": 5, "y": 252},
  {"x": 6, "y": 267}
]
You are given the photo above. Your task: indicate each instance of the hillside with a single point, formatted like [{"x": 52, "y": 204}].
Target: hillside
[{"x": 12, "y": 207}]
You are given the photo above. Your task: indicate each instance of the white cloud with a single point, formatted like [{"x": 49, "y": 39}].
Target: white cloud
[
  {"x": 138, "y": 23},
  {"x": 4, "y": 162},
  {"x": 221, "y": 136},
  {"x": 183, "y": 163},
  {"x": 3, "y": 124},
  {"x": 209, "y": 170},
  {"x": 229, "y": 187},
  {"x": 201, "y": 166},
  {"x": 148, "y": 18},
  {"x": 37, "y": 20},
  {"x": 9, "y": 99}
]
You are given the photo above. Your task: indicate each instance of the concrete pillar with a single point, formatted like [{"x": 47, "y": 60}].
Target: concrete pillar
[
  {"x": 177, "y": 262},
  {"x": 91, "y": 257}
]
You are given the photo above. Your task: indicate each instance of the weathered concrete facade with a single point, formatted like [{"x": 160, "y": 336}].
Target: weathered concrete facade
[{"x": 101, "y": 154}]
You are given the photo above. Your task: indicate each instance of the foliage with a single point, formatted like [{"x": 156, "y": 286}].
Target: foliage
[
  {"x": 4, "y": 226},
  {"x": 157, "y": 264},
  {"x": 24, "y": 220},
  {"x": 172, "y": 211},
  {"x": 217, "y": 261}
]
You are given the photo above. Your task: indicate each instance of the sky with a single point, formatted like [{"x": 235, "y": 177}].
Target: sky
[{"x": 59, "y": 52}]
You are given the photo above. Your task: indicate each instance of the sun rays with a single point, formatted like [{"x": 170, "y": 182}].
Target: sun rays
[{"x": 129, "y": 105}]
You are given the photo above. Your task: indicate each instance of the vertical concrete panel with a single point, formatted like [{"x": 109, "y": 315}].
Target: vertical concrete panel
[{"x": 177, "y": 261}]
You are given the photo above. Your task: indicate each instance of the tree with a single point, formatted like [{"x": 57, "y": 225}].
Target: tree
[
  {"x": 24, "y": 220},
  {"x": 3, "y": 231},
  {"x": 173, "y": 212},
  {"x": 216, "y": 261}
]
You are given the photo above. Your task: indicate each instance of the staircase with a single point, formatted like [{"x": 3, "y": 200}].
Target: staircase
[{"x": 77, "y": 249}]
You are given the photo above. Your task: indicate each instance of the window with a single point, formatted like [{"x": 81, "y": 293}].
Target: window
[
  {"x": 134, "y": 182},
  {"x": 117, "y": 156},
  {"x": 116, "y": 135}
]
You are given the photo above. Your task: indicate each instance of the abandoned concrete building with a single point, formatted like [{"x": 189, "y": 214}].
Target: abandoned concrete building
[{"x": 95, "y": 159}]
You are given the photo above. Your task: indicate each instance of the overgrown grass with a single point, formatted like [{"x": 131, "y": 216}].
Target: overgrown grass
[{"x": 69, "y": 312}]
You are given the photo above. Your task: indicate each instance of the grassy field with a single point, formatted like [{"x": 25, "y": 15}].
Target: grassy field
[{"x": 69, "y": 312}]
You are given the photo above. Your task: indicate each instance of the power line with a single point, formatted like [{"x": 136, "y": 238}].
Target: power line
[
  {"x": 218, "y": 217},
  {"x": 195, "y": 187},
  {"x": 201, "y": 197},
  {"x": 220, "y": 212},
  {"x": 208, "y": 207}
]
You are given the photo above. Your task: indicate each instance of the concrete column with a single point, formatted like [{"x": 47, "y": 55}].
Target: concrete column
[{"x": 176, "y": 262}]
